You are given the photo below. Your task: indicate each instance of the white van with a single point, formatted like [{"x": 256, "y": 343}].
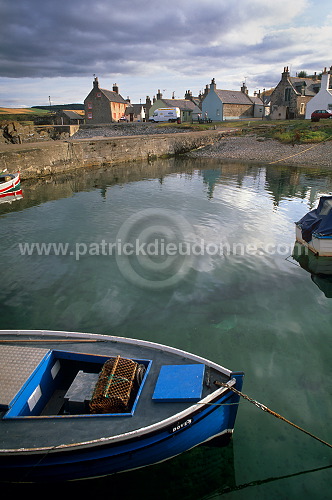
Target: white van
[{"x": 166, "y": 115}]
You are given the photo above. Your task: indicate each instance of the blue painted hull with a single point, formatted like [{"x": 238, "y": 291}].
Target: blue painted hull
[
  {"x": 214, "y": 420},
  {"x": 176, "y": 405}
]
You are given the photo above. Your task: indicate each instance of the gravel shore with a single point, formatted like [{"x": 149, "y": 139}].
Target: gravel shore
[
  {"x": 122, "y": 129},
  {"x": 228, "y": 147},
  {"x": 256, "y": 149}
]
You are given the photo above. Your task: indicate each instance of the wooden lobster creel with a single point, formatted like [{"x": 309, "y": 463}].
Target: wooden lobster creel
[{"x": 114, "y": 387}]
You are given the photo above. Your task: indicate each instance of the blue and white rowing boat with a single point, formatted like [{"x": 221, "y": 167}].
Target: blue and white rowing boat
[{"x": 76, "y": 405}]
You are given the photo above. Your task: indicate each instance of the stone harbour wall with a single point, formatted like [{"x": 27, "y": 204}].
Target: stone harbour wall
[
  {"x": 51, "y": 157},
  {"x": 13, "y": 132}
]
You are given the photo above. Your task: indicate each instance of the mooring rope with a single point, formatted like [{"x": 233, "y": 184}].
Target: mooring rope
[
  {"x": 296, "y": 154},
  {"x": 266, "y": 409}
]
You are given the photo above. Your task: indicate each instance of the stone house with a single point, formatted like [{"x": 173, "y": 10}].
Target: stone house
[
  {"x": 220, "y": 105},
  {"x": 291, "y": 96},
  {"x": 69, "y": 117},
  {"x": 188, "y": 109},
  {"x": 135, "y": 112},
  {"x": 323, "y": 99},
  {"x": 104, "y": 106}
]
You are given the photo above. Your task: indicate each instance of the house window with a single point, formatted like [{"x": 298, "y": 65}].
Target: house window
[
  {"x": 89, "y": 105},
  {"x": 329, "y": 106},
  {"x": 89, "y": 115},
  {"x": 218, "y": 112},
  {"x": 287, "y": 94},
  {"x": 98, "y": 94},
  {"x": 302, "y": 108}
]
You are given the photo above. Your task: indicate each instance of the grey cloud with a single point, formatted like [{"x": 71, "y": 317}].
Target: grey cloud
[
  {"x": 70, "y": 38},
  {"x": 79, "y": 37}
]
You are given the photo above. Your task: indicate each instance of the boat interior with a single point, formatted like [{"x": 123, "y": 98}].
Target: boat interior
[
  {"x": 65, "y": 383},
  {"x": 44, "y": 383}
]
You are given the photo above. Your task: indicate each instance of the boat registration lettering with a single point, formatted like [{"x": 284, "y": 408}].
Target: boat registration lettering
[{"x": 181, "y": 425}]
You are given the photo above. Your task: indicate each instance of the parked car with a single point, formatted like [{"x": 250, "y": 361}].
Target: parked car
[{"x": 321, "y": 113}]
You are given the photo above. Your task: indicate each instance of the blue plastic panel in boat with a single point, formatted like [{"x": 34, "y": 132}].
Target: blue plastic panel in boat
[{"x": 179, "y": 383}]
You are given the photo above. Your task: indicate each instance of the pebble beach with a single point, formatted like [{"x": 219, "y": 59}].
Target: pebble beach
[
  {"x": 249, "y": 147},
  {"x": 269, "y": 151}
]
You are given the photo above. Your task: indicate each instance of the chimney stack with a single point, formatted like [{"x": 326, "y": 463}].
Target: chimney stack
[
  {"x": 285, "y": 73},
  {"x": 115, "y": 88},
  {"x": 325, "y": 81},
  {"x": 244, "y": 89},
  {"x": 188, "y": 95},
  {"x": 213, "y": 85}
]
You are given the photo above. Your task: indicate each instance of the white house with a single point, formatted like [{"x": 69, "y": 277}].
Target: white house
[{"x": 322, "y": 100}]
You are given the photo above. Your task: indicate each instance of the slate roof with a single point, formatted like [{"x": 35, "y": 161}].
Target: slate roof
[
  {"x": 256, "y": 100},
  {"x": 72, "y": 115},
  {"x": 135, "y": 109},
  {"x": 183, "y": 104},
  {"x": 309, "y": 84},
  {"x": 113, "y": 96},
  {"x": 237, "y": 97}
]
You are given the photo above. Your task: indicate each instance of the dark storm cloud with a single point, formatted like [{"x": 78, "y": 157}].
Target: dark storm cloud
[{"x": 80, "y": 37}]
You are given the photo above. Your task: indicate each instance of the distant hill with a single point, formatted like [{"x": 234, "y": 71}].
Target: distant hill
[{"x": 56, "y": 107}]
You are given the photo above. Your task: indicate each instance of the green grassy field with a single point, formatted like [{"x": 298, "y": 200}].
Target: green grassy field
[{"x": 286, "y": 131}]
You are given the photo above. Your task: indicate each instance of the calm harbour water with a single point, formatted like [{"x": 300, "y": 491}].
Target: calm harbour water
[{"x": 234, "y": 295}]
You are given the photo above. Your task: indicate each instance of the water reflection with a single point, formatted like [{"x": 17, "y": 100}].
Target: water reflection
[
  {"x": 250, "y": 310},
  {"x": 283, "y": 183},
  {"x": 320, "y": 268},
  {"x": 197, "y": 474},
  {"x": 11, "y": 196}
]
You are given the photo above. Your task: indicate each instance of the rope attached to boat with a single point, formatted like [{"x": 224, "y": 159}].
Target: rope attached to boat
[
  {"x": 266, "y": 409},
  {"x": 296, "y": 154}
]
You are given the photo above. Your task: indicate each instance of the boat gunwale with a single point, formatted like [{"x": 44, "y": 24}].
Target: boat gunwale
[
  {"x": 15, "y": 180},
  {"x": 113, "y": 338},
  {"x": 137, "y": 433}
]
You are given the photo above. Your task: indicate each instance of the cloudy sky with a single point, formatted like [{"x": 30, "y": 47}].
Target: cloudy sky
[{"x": 54, "y": 48}]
